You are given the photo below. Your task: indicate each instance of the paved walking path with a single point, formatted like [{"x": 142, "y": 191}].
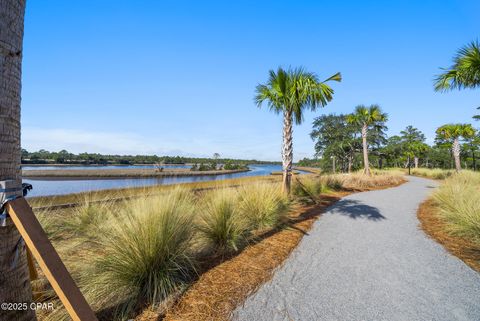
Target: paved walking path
[{"x": 366, "y": 259}]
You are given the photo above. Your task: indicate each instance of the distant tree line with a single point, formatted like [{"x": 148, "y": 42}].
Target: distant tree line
[
  {"x": 214, "y": 165},
  {"x": 64, "y": 157},
  {"x": 338, "y": 145}
]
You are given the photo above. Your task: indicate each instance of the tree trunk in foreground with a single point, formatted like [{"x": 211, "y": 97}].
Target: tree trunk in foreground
[
  {"x": 287, "y": 151},
  {"x": 14, "y": 274},
  {"x": 456, "y": 154},
  {"x": 366, "y": 164}
]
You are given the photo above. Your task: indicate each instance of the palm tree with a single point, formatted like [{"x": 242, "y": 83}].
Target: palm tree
[
  {"x": 15, "y": 281},
  {"x": 367, "y": 117},
  {"x": 477, "y": 117},
  {"x": 291, "y": 92},
  {"x": 465, "y": 71},
  {"x": 453, "y": 133}
]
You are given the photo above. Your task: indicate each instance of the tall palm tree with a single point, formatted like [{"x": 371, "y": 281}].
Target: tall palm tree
[
  {"x": 291, "y": 92},
  {"x": 465, "y": 71},
  {"x": 453, "y": 133},
  {"x": 367, "y": 117},
  {"x": 14, "y": 274}
]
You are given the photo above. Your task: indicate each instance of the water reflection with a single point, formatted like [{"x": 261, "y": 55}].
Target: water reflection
[{"x": 45, "y": 187}]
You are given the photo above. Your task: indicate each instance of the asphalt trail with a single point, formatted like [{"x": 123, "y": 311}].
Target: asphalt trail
[{"x": 367, "y": 259}]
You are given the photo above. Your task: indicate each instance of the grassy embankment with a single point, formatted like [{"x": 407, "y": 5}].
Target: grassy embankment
[
  {"x": 435, "y": 173},
  {"x": 54, "y": 174},
  {"x": 142, "y": 254},
  {"x": 452, "y": 215},
  {"x": 133, "y": 192}
]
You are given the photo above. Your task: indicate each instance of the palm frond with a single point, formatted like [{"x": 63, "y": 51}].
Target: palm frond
[
  {"x": 294, "y": 90},
  {"x": 465, "y": 71}
]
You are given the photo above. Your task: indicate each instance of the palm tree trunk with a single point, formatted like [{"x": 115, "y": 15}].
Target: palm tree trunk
[
  {"x": 365, "y": 151},
  {"x": 287, "y": 150},
  {"x": 14, "y": 274},
  {"x": 350, "y": 162},
  {"x": 474, "y": 160},
  {"x": 456, "y": 155},
  {"x": 415, "y": 161}
]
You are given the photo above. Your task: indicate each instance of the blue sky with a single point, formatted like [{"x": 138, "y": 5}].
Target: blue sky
[{"x": 178, "y": 77}]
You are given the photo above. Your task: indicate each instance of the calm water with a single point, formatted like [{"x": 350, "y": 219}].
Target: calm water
[
  {"x": 26, "y": 167},
  {"x": 45, "y": 187}
]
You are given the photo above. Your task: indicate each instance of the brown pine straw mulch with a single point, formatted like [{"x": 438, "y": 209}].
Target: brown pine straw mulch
[
  {"x": 435, "y": 227},
  {"x": 225, "y": 283}
]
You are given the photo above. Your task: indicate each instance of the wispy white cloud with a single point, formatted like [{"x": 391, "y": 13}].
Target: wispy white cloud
[{"x": 78, "y": 141}]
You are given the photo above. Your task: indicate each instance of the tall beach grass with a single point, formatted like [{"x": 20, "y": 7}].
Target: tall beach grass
[
  {"x": 146, "y": 253},
  {"x": 435, "y": 173},
  {"x": 221, "y": 225},
  {"x": 458, "y": 200},
  {"x": 378, "y": 179},
  {"x": 263, "y": 205}
]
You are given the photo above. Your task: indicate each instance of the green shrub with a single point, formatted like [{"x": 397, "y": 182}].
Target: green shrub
[
  {"x": 221, "y": 225},
  {"x": 263, "y": 205},
  {"x": 233, "y": 166}
]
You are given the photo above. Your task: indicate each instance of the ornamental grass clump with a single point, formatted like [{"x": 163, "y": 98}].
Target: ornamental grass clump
[
  {"x": 221, "y": 225},
  {"x": 87, "y": 218},
  {"x": 146, "y": 254},
  {"x": 435, "y": 173},
  {"x": 50, "y": 222},
  {"x": 360, "y": 181},
  {"x": 264, "y": 205},
  {"x": 332, "y": 182},
  {"x": 458, "y": 200},
  {"x": 307, "y": 190}
]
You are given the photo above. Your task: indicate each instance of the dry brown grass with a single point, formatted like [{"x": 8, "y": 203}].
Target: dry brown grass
[
  {"x": 436, "y": 227},
  {"x": 46, "y": 201},
  {"x": 359, "y": 181}
]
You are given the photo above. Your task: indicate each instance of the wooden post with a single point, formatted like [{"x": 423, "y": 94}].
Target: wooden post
[{"x": 49, "y": 261}]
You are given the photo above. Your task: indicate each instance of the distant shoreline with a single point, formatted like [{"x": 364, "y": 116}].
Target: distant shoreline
[
  {"x": 91, "y": 174},
  {"x": 100, "y": 165}
]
